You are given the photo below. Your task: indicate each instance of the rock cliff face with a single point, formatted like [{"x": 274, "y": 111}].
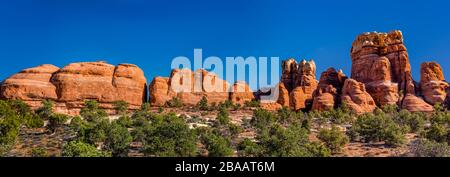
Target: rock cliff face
[
  {"x": 380, "y": 61},
  {"x": 326, "y": 97},
  {"x": 70, "y": 86},
  {"x": 432, "y": 83},
  {"x": 354, "y": 95},
  {"x": 304, "y": 85},
  {"x": 190, "y": 87}
]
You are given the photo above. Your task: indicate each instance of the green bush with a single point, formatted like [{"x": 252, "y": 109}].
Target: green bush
[
  {"x": 203, "y": 104},
  {"x": 333, "y": 138},
  {"x": 248, "y": 148},
  {"x": 438, "y": 133},
  {"x": 292, "y": 141},
  {"x": 9, "y": 126},
  {"x": 46, "y": 110},
  {"x": 252, "y": 104},
  {"x": 262, "y": 119},
  {"x": 125, "y": 121},
  {"x": 117, "y": 139},
  {"x": 33, "y": 121},
  {"x": 80, "y": 149},
  {"x": 413, "y": 122},
  {"x": 57, "y": 120},
  {"x": 175, "y": 102},
  {"x": 217, "y": 146},
  {"x": 375, "y": 128},
  {"x": 91, "y": 111},
  {"x": 169, "y": 136},
  {"x": 38, "y": 152},
  {"x": 426, "y": 148},
  {"x": 121, "y": 107}
]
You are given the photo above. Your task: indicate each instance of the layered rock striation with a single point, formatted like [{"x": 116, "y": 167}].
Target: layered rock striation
[{"x": 70, "y": 86}]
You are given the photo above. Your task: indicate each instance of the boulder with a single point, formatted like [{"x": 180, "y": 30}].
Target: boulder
[
  {"x": 432, "y": 83},
  {"x": 356, "y": 98},
  {"x": 413, "y": 103},
  {"x": 326, "y": 97},
  {"x": 31, "y": 85}
]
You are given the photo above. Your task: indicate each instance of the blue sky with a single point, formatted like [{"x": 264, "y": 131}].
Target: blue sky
[{"x": 151, "y": 33}]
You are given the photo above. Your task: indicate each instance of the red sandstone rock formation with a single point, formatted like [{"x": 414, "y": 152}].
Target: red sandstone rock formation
[
  {"x": 241, "y": 93},
  {"x": 432, "y": 83},
  {"x": 326, "y": 97},
  {"x": 354, "y": 95},
  {"x": 31, "y": 85},
  {"x": 305, "y": 85},
  {"x": 70, "y": 86},
  {"x": 380, "y": 61},
  {"x": 190, "y": 87}
]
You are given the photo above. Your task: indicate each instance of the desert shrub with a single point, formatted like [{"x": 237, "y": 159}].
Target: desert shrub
[
  {"x": 95, "y": 132},
  {"x": 38, "y": 152},
  {"x": 375, "y": 128},
  {"x": 91, "y": 111},
  {"x": 285, "y": 115},
  {"x": 117, "y": 139},
  {"x": 160, "y": 110},
  {"x": 169, "y": 136},
  {"x": 390, "y": 109},
  {"x": 262, "y": 119},
  {"x": 427, "y": 148},
  {"x": 340, "y": 115},
  {"x": 252, "y": 104},
  {"x": 9, "y": 126},
  {"x": 121, "y": 107},
  {"x": 315, "y": 149},
  {"x": 33, "y": 121},
  {"x": 175, "y": 102},
  {"x": 76, "y": 124},
  {"x": 56, "y": 120},
  {"x": 438, "y": 133},
  {"x": 227, "y": 104},
  {"x": 46, "y": 110},
  {"x": 413, "y": 122},
  {"x": 125, "y": 121},
  {"x": 248, "y": 148},
  {"x": 234, "y": 129},
  {"x": 292, "y": 141},
  {"x": 203, "y": 104},
  {"x": 80, "y": 149},
  {"x": 223, "y": 117},
  {"x": 20, "y": 107},
  {"x": 217, "y": 145},
  {"x": 334, "y": 139}
]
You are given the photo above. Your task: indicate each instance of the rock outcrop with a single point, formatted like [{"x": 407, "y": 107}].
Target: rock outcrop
[
  {"x": 380, "y": 61},
  {"x": 326, "y": 97},
  {"x": 31, "y": 85},
  {"x": 241, "y": 93},
  {"x": 70, "y": 86},
  {"x": 356, "y": 98},
  {"x": 305, "y": 84},
  {"x": 432, "y": 83},
  {"x": 190, "y": 87}
]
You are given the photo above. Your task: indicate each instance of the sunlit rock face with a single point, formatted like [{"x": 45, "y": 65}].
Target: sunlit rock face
[
  {"x": 432, "y": 83},
  {"x": 356, "y": 98},
  {"x": 70, "y": 86},
  {"x": 190, "y": 87},
  {"x": 380, "y": 61}
]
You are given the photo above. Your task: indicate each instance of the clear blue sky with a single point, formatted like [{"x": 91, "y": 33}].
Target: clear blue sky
[{"x": 151, "y": 33}]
